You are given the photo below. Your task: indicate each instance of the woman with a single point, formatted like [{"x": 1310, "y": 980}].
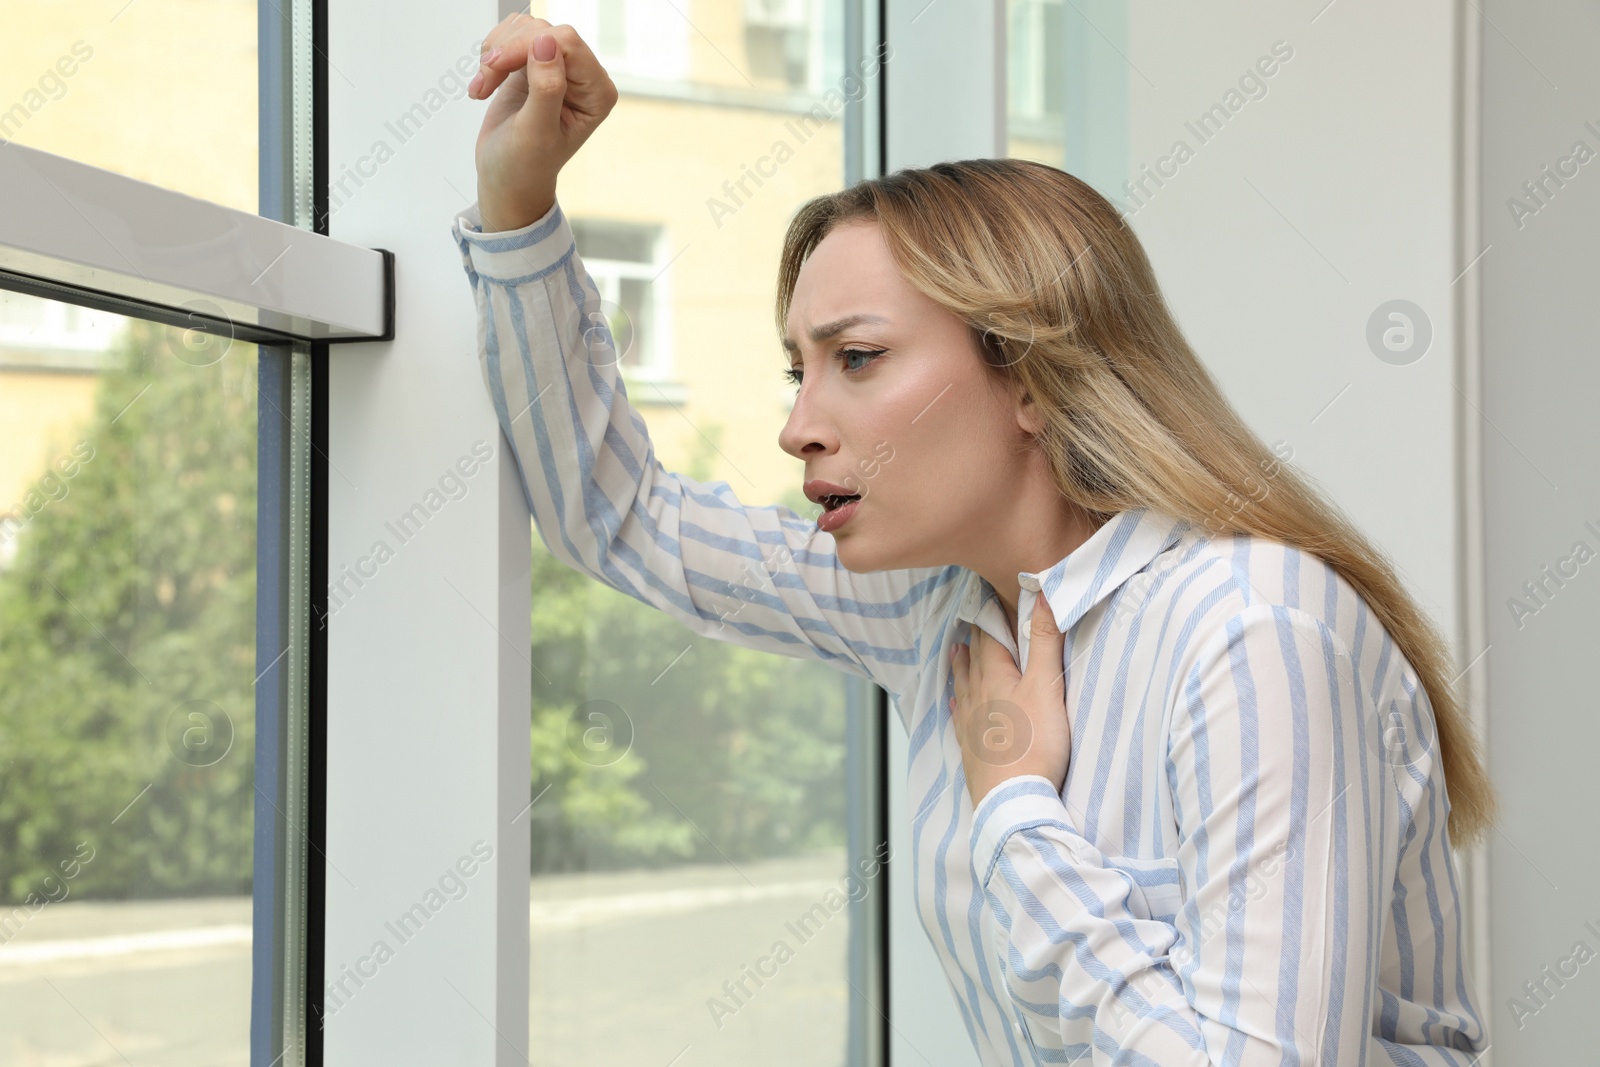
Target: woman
[{"x": 1186, "y": 770}]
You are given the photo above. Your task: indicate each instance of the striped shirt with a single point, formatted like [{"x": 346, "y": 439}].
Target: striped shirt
[{"x": 1252, "y": 780}]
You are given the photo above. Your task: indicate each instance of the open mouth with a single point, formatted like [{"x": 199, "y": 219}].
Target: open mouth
[{"x": 832, "y": 502}]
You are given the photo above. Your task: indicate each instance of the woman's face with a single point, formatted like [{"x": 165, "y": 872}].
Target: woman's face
[{"x": 895, "y": 404}]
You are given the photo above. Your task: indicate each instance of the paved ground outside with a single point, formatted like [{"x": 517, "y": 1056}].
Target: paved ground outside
[{"x": 628, "y": 969}]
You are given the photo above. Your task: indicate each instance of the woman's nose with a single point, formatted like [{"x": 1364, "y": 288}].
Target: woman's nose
[{"x": 806, "y": 434}]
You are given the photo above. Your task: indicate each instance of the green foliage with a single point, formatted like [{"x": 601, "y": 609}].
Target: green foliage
[
  {"x": 652, "y": 744},
  {"x": 131, "y": 594},
  {"x": 657, "y": 744}
]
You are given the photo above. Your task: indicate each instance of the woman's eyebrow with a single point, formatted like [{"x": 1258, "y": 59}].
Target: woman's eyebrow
[{"x": 823, "y": 331}]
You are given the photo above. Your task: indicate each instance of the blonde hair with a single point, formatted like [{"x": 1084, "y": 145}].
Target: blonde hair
[{"x": 1063, "y": 306}]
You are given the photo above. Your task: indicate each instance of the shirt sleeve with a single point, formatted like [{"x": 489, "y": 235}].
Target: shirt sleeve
[
  {"x": 1290, "y": 824},
  {"x": 762, "y": 577}
]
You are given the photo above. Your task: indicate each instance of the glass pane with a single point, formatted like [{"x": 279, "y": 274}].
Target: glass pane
[
  {"x": 127, "y": 666},
  {"x": 107, "y": 82},
  {"x": 691, "y": 800},
  {"x": 1036, "y": 77}
]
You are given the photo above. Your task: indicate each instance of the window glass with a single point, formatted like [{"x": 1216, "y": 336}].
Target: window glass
[
  {"x": 109, "y": 82},
  {"x": 1036, "y": 81},
  {"x": 127, "y": 574},
  {"x": 691, "y": 798},
  {"x": 622, "y": 258},
  {"x": 127, "y": 669}
]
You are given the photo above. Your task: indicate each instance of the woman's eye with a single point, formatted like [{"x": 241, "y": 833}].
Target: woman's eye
[
  {"x": 845, "y": 355},
  {"x": 794, "y": 374}
]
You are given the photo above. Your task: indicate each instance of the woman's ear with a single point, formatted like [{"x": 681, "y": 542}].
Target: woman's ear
[{"x": 1029, "y": 418}]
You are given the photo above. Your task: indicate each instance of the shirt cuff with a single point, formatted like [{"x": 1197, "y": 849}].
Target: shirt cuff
[
  {"x": 1015, "y": 804},
  {"x": 511, "y": 257}
]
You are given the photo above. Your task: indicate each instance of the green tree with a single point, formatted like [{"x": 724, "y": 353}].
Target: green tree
[
  {"x": 127, "y": 649},
  {"x": 653, "y": 745}
]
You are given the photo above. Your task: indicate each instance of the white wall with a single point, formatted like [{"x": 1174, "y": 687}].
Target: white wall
[
  {"x": 1541, "y": 95},
  {"x": 1316, "y": 203}
]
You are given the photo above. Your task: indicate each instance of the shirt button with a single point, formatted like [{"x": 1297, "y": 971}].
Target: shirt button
[{"x": 1029, "y": 582}]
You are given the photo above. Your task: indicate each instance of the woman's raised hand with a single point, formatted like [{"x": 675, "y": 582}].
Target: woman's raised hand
[{"x": 553, "y": 94}]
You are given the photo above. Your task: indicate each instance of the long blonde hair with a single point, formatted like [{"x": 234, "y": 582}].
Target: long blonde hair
[{"x": 1063, "y": 305}]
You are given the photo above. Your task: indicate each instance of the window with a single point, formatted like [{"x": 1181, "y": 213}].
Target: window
[
  {"x": 127, "y": 604},
  {"x": 692, "y": 801},
  {"x": 632, "y": 38},
  {"x": 114, "y": 86},
  {"x": 778, "y": 39},
  {"x": 51, "y": 356},
  {"x": 47, "y": 334},
  {"x": 159, "y": 484},
  {"x": 625, "y": 262},
  {"x": 179, "y": 488}
]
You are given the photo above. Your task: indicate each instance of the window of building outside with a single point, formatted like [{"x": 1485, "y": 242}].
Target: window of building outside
[
  {"x": 624, "y": 260},
  {"x": 632, "y": 38},
  {"x": 692, "y": 799},
  {"x": 777, "y": 39},
  {"x": 128, "y": 499}
]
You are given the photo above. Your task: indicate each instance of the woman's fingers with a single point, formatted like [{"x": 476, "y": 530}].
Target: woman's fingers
[
  {"x": 589, "y": 90},
  {"x": 514, "y": 28},
  {"x": 589, "y": 87},
  {"x": 965, "y": 655}
]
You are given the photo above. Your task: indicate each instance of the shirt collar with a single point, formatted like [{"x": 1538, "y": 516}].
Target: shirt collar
[{"x": 1118, "y": 550}]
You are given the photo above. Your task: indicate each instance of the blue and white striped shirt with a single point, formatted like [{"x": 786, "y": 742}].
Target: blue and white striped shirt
[{"x": 1252, "y": 784}]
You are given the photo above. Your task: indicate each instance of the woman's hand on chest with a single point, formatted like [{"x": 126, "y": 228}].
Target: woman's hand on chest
[{"x": 1011, "y": 722}]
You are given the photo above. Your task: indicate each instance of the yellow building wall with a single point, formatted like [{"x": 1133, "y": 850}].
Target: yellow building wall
[
  {"x": 166, "y": 93},
  {"x": 41, "y": 416}
]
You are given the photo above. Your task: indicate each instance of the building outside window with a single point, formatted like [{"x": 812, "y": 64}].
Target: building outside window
[{"x": 626, "y": 263}]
